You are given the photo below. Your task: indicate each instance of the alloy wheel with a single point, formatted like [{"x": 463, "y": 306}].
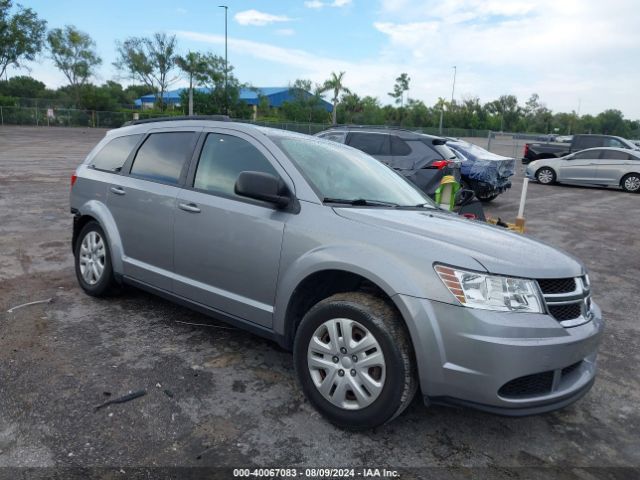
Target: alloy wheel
[
  {"x": 346, "y": 363},
  {"x": 632, "y": 183},
  {"x": 92, "y": 257},
  {"x": 545, "y": 176}
]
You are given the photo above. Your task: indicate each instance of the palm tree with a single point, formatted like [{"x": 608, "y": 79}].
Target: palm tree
[
  {"x": 194, "y": 65},
  {"x": 335, "y": 84}
]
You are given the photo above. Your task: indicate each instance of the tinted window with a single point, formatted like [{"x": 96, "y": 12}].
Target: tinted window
[
  {"x": 615, "y": 155},
  {"x": 115, "y": 153},
  {"x": 222, "y": 160},
  {"x": 162, "y": 155},
  {"x": 371, "y": 143},
  {"x": 589, "y": 142},
  {"x": 591, "y": 154},
  {"x": 614, "y": 142},
  {"x": 399, "y": 147}
]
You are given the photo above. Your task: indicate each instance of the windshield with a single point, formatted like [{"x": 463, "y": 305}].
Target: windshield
[{"x": 339, "y": 172}]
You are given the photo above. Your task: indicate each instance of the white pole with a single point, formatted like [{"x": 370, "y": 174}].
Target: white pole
[{"x": 523, "y": 197}]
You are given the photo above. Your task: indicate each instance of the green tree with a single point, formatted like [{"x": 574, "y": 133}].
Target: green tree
[
  {"x": 334, "y": 84},
  {"x": 194, "y": 64},
  {"x": 401, "y": 86},
  {"x": 21, "y": 35},
  {"x": 149, "y": 60},
  {"x": 73, "y": 53},
  {"x": 612, "y": 123},
  {"x": 22, "y": 86}
]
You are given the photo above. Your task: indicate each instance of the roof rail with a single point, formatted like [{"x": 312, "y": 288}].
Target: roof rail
[
  {"x": 381, "y": 127},
  {"x": 218, "y": 118}
]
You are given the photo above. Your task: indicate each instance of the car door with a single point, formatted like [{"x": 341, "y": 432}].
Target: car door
[
  {"x": 142, "y": 203},
  {"x": 613, "y": 165},
  {"x": 579, "y": 167},
  {"x": 227, "y": 247},
  {"x": 375, "y": 144}
]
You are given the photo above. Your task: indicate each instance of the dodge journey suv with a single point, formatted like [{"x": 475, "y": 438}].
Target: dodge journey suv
[{"x": 335, "y": 256}]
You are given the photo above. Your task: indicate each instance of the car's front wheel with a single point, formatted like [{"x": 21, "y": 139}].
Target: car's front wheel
[
  {"x": 93, "y": 261},
  {"x": 354, "y": 360},
  {"x": 631, "y": 183},
  {"x": 546, "y": 176}
]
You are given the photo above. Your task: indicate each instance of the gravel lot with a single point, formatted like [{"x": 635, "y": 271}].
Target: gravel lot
[{"x": 219, "y": 396}]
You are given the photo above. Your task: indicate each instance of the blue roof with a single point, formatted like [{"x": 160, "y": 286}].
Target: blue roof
[{"x": 276, "y": 96}]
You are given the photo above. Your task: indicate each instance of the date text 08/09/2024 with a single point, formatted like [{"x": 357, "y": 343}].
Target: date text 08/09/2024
[{"x": 316, "y": 473}]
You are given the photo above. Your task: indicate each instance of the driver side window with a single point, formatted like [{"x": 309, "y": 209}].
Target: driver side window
[{"x": 222, "y": 159}]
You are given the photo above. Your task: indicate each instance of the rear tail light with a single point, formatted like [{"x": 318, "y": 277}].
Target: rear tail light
[
  {"x": 526, "y": 149},
  {"x": 74, "y": 177},
  {"x": 440, "y": 164}
]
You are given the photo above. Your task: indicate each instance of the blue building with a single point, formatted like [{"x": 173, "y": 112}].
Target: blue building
[{"x": 276, "y": 96}]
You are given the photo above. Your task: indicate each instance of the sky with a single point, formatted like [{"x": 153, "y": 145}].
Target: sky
[{"x": 580, "y": 55}]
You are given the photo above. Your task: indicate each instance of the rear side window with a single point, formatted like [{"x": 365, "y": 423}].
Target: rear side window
[
  {"x": 589, "y": 142},
  {"x": 222, "y": 160},
  {"x": 162, "y": 155},
  {"x": 615, "y": 155},
  {"x": 591, "y": 154},
  {"x": 113, "y": 155},
  {"x": 371, "y": 143},
  {"x": 399, "y": 147}
]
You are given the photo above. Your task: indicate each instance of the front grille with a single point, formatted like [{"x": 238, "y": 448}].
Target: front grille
[
  {"x": 565, "y": 312},
  {"x": 557, "y": 285},
  {"x": 529, "y": 385}
]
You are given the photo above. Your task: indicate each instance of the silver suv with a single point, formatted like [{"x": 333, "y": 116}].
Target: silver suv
[{"x": 335, "y": 256}]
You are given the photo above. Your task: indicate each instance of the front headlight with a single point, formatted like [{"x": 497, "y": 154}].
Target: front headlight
[{"x": 491, "y": 292}]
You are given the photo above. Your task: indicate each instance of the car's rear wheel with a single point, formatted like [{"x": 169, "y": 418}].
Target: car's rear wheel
[
  {"x": 546, "y": 176},
  {"x": 631, "y": 183},
  {"x": 93, "y": 261},
  {"x": 354, "y": 360}
]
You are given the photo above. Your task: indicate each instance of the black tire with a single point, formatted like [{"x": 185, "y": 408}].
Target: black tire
[
  {"x": 106, "y": 284},
  {"x": 629, "y": 178},
  {"x": 546, "y": 178},
  {"x": 384, "y": 322}
]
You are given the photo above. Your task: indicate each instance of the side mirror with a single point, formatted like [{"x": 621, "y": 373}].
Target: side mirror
[{"x": 263, "y": 186}]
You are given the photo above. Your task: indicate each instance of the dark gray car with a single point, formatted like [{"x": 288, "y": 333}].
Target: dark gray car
[
  {"x": 423, "y": 159},
  {"x": 335, "y": 256}
]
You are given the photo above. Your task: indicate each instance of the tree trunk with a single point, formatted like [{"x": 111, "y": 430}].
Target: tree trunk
[
  {"x": 191, "y": 95},
  {"x": 334, "y": 112}
]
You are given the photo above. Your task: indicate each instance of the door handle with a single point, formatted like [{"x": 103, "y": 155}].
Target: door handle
[
  {"x": 118, "y": 190},
  {"x": 189, "y": 207}
]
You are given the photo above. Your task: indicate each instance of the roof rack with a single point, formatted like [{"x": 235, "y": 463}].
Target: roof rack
[
  {"x": 381, "y": 127},
  {"x": 218, "y": 118}
]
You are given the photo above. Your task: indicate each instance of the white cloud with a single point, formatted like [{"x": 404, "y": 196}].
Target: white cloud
[
  {"x": 256, "y": 18},
  {"x": 564, "y": 50},
  {"x": 286, "y": 32},
  {"x": 314, "y": 4},
  {"x": 318, "y": 4},
  {"x": 181, "y": 11}
]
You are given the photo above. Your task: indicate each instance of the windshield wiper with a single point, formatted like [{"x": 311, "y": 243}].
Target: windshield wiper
[{"x": 360, "y": 201}]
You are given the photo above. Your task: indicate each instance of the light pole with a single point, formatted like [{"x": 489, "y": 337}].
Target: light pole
[
  {"x": 453, "y": 88},
  {"x": 226, "y": 93}
]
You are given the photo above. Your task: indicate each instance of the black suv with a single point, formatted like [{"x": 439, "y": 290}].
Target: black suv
[{"x": 422, "y": 159}]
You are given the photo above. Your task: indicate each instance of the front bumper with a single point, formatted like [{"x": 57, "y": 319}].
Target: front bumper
[{"x": 469, "y": 357}]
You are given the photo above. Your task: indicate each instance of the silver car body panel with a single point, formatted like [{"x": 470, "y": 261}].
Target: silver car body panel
[
  {"x": 590, "y": 170},
  {"x": 245, "y": 260}
]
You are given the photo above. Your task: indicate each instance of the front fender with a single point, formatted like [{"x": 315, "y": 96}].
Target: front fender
[
  {"x": 383, "y": 268},
  {"x": 101, "y": 213}
]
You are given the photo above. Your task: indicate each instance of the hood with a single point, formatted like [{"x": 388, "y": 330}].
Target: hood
[{"x": 498, "y": 250}]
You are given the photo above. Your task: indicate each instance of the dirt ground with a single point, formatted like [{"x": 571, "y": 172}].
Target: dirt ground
[{"x": 219, "y": 396}]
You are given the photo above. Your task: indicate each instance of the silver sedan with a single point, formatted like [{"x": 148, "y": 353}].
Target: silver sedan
[{"x": 611, "y": 167}]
